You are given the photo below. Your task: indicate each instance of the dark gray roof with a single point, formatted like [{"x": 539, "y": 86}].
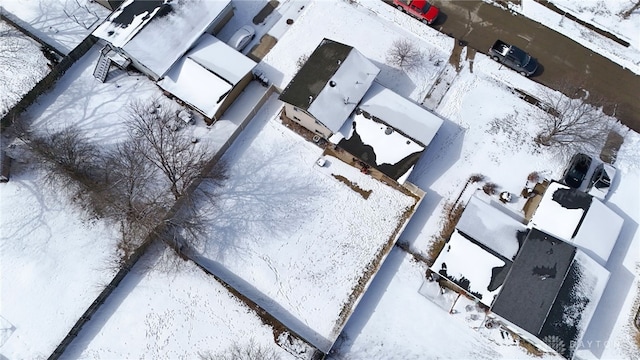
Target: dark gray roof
[
  {"x": 535, "y": 279},
  {"x": 129, "y": 12},
  {"x": 568, "y": 304},
  {"x": 315, "y": 73}
]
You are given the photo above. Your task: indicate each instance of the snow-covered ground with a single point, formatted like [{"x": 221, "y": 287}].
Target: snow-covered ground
[
  {"x": 24, "y": 65},
  {"x": 487, "y": 130},
  {"x": 285, "y": 228},
  {"x": 62, "y": 24},
  {"x": 178, "y": 314},
  {"x": 53, "y": 264}
]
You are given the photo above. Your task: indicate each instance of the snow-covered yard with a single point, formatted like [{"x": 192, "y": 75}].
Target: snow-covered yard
[
  {"x": 285, "y": 228},
  {"x": 177, "y": 313},
  {"x": 54, "y": 259},
  {"x": 287, "y": 231},
  {"x": 62, "y": 24},
  {"x": 22, "y": 65}
]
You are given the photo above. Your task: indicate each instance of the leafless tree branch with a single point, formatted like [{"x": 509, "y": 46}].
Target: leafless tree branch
[
  {"x": 171, "y": 152},
  {"x": 405, "y": 55},
  {"x": 571, "y": 124}
]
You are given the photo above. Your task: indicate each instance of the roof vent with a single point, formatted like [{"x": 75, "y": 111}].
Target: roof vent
[
  {"x": 310, "y": 99},
  {"x": 332, "y": 83},
  {"x": 339, "y": 62},
  {"x": 388, "y": 130}
]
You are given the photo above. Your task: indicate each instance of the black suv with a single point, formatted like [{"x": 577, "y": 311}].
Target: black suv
[{"x": 575, "y": 173}]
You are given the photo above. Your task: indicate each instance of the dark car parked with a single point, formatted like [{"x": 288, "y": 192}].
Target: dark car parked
[
  {"x": 513, "y": 57},
  {"x": 576, "y": 171}
]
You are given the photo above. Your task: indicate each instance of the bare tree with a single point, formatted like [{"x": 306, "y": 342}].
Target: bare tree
[
  {"x": 71, "y": 163},
  {"x": 570, "y": 124},
  {"x": 176, "y": 156},
  {"x": 135, "y": 197},
  {"x": 247, "y": 351},
  {"x": 404, "y": 54}
]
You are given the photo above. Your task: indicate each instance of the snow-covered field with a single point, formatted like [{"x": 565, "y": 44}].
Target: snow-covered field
[{"x": 54, "y": 261}]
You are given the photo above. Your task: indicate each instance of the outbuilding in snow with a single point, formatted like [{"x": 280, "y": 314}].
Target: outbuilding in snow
[{"x": 210, "y": 77}]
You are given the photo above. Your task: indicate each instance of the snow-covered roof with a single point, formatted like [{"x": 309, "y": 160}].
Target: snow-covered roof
[
  {"x": 331, "y": 83},
  {"x": 393, "y": 127},
  {"x": 391, "y": 152},
  {"x": 157, "y": 34},
  {"x": 401, "y": 113},
  {"x": 204, "y": 76},
  {"x": 491, "y": 227},
  {"x": 579, "y": 218},
  {"x": 194, "y": 84},
  {"x": 471, "y": 267},
  {"x": 221, "y": 59},
  {"x": 599, "y": 231}
]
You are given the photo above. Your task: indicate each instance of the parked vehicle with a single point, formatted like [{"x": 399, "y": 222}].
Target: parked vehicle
[
  {"x": 421, "y": 9},
  {"x": 576, "y": 171},
  {"x": 601, "y": 181},
  {"x": 513, "y": 57},
  {"x": 242, "y": 37}
]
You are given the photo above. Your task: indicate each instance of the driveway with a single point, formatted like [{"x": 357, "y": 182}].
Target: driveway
[{"x": 480, "y": 24}]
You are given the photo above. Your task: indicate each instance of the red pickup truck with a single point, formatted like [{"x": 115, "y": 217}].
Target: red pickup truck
[{"x": 421, "y": 9}]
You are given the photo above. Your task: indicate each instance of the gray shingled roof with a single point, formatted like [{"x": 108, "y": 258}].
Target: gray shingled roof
[
  {"x": 535, "y": 279},
  {"x": 315, "y": 73}
]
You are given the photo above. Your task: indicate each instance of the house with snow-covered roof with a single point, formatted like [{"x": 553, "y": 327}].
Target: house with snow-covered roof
[
  {"x": 173, "y": 43},
  {"x": 540, "y": 287},
  {"x": 578, "y": 218},
  {"x": 335, "y": 95},
  {"x": 154, "y": 34}
]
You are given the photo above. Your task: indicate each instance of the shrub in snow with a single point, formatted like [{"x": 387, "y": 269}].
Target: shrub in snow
[
  {"x": 490, "y": 188},
  {"x": 243, "y": 351}
]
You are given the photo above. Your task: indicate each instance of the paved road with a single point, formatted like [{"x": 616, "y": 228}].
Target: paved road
[{"x": 479, "y": 24}]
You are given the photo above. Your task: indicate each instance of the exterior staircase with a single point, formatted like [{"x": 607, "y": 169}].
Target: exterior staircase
[{"x": 104, "y": 64}]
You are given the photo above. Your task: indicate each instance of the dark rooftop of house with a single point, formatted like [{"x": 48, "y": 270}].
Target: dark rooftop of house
[
  {"x": 536, "y": 277},
  {"x": 315, "y": 73},
  {"x": 568, "y": 305},
  {"x": 129, "y": 12}
]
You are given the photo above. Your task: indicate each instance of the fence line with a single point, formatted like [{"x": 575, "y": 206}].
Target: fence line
[{"x": 49, "y": 80}]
